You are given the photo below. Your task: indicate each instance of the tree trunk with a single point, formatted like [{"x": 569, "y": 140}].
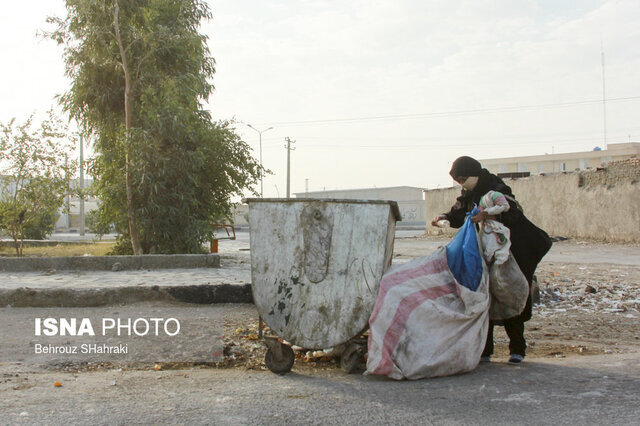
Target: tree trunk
[
  {"x": 133, "y": 230},
  {"x": 16, "y": 246}
]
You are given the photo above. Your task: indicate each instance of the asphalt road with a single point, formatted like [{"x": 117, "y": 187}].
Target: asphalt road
[{"x": 592, "y": 390}]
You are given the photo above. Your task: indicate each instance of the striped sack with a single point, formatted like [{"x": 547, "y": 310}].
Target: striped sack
[{"x": 424, "y": 323}]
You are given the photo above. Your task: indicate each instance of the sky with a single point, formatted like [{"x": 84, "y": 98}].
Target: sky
[{"x": 382, "y": 93}]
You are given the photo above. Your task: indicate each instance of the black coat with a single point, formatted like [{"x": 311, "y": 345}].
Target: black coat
[{"x": 529, "y": 243}]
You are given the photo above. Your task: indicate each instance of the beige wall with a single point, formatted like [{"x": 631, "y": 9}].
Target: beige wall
[
  {"x": 241, "y": 215},
  {"x": 395, "y": 193},
  {"x": 412, "y": 212},
  {"x": 602, "y": 205},
  {"x": 409, "y": 199}
]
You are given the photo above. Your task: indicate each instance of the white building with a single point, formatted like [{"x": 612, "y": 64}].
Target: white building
[{"x": 555, "y": 163}]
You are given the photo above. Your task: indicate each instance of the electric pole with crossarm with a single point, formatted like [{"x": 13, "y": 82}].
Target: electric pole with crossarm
[{"x": 289, "y": 149}]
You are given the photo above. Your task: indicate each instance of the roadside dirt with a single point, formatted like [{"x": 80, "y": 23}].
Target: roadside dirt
[{"x": 585, "y": 308}]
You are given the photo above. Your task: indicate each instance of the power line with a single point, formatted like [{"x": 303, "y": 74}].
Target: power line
[
  {"x": 451, "y": 113},
  {"x": 449, "y": 146},
  {"x": 436, "y": 142}
]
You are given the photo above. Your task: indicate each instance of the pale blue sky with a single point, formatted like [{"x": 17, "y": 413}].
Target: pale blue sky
[{"x": 405, "y": 71}]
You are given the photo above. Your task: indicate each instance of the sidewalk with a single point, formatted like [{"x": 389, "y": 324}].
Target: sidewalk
[{"x": 230, "y": 282}]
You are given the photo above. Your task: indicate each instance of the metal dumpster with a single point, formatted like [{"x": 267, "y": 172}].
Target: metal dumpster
[{"x": 316, "y": 265}]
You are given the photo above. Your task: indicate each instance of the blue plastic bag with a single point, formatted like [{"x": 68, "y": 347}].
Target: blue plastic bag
[{"x": 463, "y": 255}]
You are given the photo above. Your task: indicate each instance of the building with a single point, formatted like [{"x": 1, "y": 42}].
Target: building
[
  {"x": 410, "y": 200},
  {"x": 68, "y": 219},
  {"x": 71, "y": 219},
  {"x": 555, "y": 163}
]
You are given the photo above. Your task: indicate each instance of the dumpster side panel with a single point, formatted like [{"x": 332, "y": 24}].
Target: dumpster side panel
[
  {"x": 391, "y": 235},
  {"x": 326, "y": 299}
]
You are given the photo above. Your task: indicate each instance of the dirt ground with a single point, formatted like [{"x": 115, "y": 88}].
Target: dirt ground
[{"x": 585, "y": 309}]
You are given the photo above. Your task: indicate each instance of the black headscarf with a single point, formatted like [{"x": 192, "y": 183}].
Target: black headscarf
[{"x": 465, "y": 166}]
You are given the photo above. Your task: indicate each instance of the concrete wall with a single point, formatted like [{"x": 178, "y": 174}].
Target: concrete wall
[
  {"x": 595, "y": 204},
  {"x": 241, "y": 215},
  {"x": 438, "y": 201},
  {"x": 395, "y": 193},
  {"x": 409, "y": 199},
  {"x": 412, "y": 212}
]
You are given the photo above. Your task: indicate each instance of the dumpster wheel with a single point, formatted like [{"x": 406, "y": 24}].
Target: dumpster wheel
[
  {"x": 279, "y": 357},
  {"x": 351, "y": 356}
]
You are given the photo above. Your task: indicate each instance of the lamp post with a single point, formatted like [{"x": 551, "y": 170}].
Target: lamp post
[{"x": 260, "y": 132}]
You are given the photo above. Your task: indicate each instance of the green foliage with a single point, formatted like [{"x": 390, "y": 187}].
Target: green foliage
[
  {"x": 97, "y": 224},
  {"x": 183, "y": 169},
  {"x": 33, "y": 176},
  {"x": 42, "y": 226}
]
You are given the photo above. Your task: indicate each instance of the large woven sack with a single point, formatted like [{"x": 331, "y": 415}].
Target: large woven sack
[{"x": 424, "y": 323}]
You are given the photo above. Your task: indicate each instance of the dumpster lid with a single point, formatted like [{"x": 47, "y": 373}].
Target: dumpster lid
[{"x": 393, "y": 204}]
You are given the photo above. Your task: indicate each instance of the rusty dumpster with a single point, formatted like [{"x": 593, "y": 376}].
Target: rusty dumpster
[{"x": 316, "y": 265}]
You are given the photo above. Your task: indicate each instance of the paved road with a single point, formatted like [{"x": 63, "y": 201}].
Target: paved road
[{"x": 592, "y": 390}]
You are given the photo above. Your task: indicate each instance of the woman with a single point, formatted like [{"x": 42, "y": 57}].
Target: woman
[{"x": 529, "y": 243}]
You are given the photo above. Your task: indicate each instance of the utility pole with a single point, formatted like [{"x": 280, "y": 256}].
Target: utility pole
[
  {"x": 260, "y": 132},
  {"x": 289, "y": 149},
  {"x": 81, "y": 186},
  {"x": 68, "y": 197},
  {"x": 306, "y": 187},
  {"x": 604, "y": 98}
]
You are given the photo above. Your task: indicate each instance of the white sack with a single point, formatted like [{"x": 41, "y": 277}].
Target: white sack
[
  {"x": 424, "y": 323},
  {"x": 509, "y": 290},
  {"x": 507, "y": 284}
]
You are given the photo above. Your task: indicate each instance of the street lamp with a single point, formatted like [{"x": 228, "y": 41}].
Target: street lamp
[{"x": 260, "y": 132}]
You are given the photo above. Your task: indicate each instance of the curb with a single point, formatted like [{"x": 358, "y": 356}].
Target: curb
[
  {"x": 109, "y": 263},
  {"x": 76, "y": 298}
]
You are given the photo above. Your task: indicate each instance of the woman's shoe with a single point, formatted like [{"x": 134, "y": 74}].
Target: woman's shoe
[{"x": 516, "y": 359}]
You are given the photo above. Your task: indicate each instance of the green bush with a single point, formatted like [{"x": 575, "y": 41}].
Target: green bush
[
  {"x": 41, "y": 227},
  {"x": 97, "y": 223}
]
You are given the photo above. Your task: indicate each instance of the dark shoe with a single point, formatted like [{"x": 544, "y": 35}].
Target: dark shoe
[
  {"x": 516, "y": 359},
  {"x": 485, "y": 358}
]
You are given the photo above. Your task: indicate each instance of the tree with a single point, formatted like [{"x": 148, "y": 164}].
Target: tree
[
  {"x": 34, "y": 176},
  {"x": 140, "y": 72}
]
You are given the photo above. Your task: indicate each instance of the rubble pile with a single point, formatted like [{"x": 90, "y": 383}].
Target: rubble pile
[
  {"x": 589, "y": 289},
  {"x": 243, "y": 348}
]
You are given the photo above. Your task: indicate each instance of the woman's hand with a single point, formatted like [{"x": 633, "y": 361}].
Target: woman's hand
[
  {"x": 435, "y": 221},
  {"x": 480, "y": 217}
]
